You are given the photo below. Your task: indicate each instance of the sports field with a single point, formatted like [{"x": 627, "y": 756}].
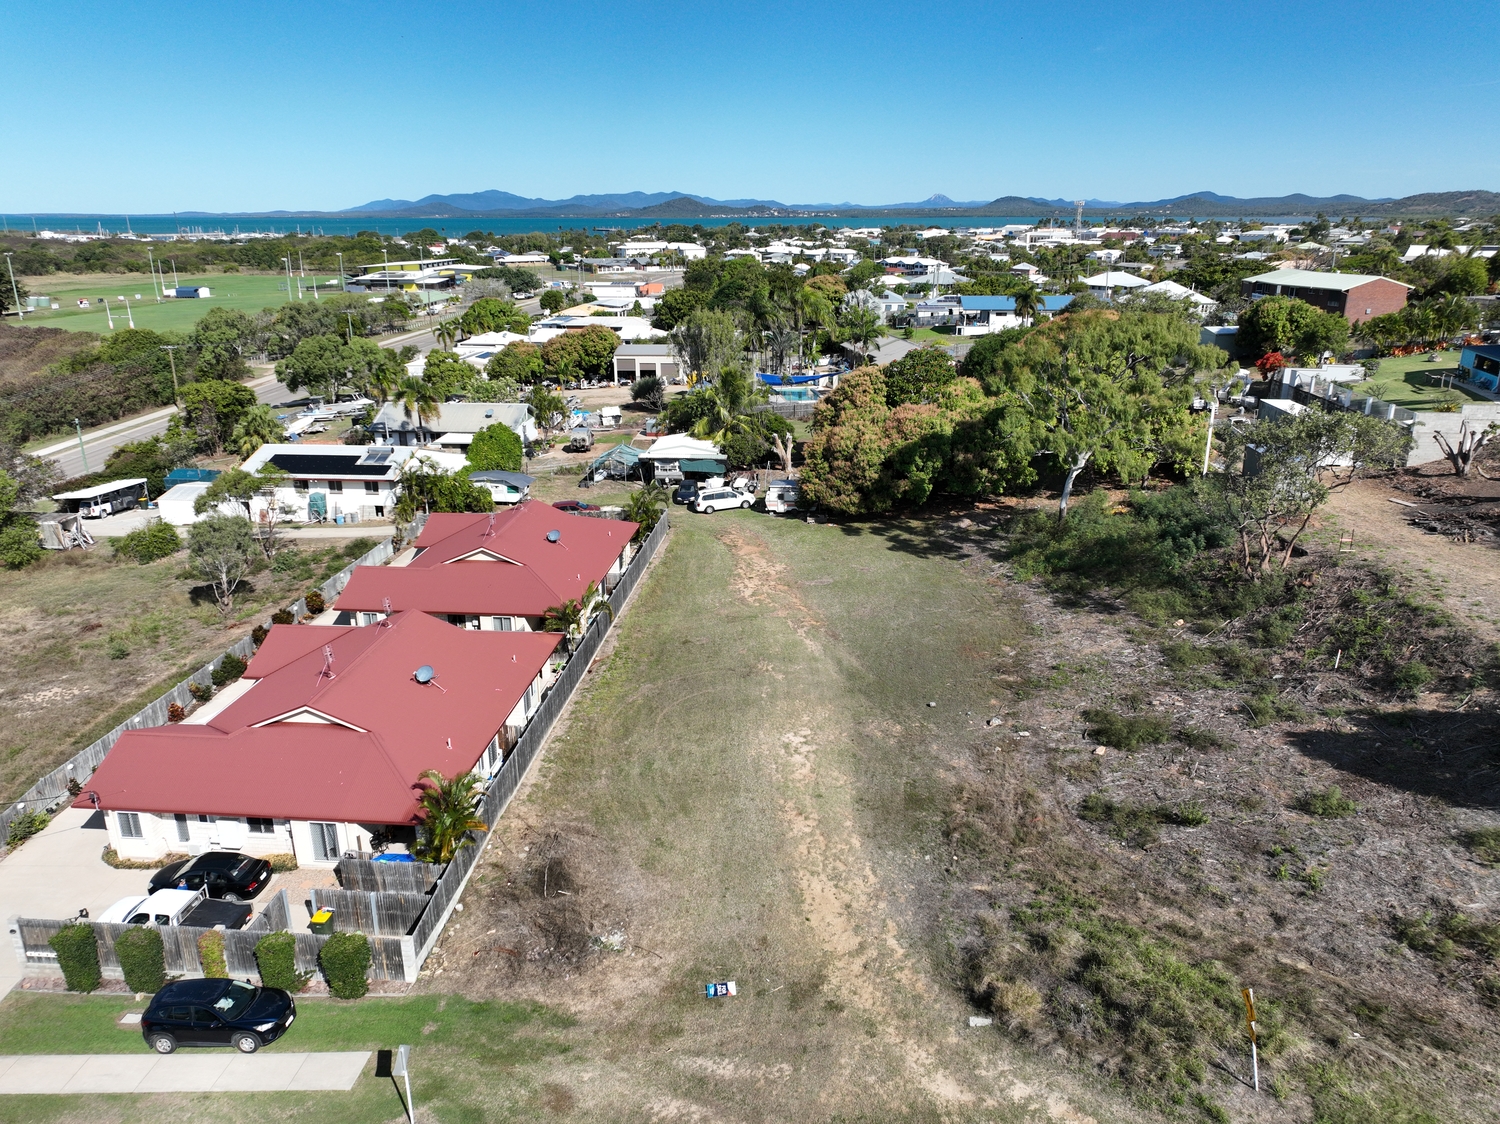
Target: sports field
[{"x": 248, "y": 292}]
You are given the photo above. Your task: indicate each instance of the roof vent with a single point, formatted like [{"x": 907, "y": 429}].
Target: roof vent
[
  {"x": 424, "y": 674},
  {"x": 554, "y": 536}
]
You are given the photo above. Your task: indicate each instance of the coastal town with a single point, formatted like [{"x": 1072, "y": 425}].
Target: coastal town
[{"x": 496, "y": 651}]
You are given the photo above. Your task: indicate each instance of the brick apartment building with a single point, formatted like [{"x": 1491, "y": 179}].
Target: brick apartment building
[{"x": 1354, "y": 296}]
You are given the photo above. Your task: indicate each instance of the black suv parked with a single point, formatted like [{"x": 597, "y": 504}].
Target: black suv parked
[
  {"x": 686, "y": 492},
  {"x": 227, "y": 874},
  {"x": 216, "y": 1013}
]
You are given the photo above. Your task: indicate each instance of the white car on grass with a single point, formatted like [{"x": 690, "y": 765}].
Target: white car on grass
[{"x": 718, "y": 499}]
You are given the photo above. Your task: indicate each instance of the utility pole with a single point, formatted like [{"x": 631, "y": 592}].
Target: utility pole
[
  {"x": 176, "y": 396},
  {"x": 82, "y": 452},
  {"x": 14, "y": 292},
  {"x": 155, "y": 290}
]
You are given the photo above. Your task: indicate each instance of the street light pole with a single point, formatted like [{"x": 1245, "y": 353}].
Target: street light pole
[
  {"x": 14, "y": 292},
  {"x": 176, "y": 396},
  {"x": 156, "y": 292},
  {"x": 82, "y": 452},
  {"x": 343, "y": 284}
]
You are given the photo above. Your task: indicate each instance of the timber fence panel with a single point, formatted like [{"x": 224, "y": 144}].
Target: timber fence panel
[
  {"x": 179, "y": 949},
  {"x": 387, "y": 959},
  {"x": 401, "y": 878},
  {"x": 239, "y": 952},
  {"x": 34, "y": 933},
  {"x": 371, "y": 912},
  {"x": 276, "y": 916}
]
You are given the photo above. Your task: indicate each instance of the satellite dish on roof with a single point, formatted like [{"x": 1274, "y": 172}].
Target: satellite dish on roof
[
  {"x": 425, "y": 674},
  {"x": 554, "y": 536}
]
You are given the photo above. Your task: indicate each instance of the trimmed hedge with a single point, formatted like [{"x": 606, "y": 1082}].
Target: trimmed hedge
[
  {"x": 276, "y": 957},
  {"x": 345, "y": 960},
  {"x": 77, "y": 956},
  {"x": 211, "y": 955},
  {"x": 139, "y": 951}
]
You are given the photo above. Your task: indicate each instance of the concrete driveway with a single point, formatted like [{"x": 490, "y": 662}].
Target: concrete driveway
[{"x": 56, "y": 873}]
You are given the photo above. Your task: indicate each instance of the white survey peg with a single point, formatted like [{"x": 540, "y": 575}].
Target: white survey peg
[{"x": 1248, "y": 995}]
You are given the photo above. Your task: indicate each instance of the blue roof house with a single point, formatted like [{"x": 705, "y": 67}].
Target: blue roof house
[{"x": 979, "y": 316}]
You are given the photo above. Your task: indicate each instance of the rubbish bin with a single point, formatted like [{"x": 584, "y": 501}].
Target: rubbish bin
[{"x": 322, "y": 921}]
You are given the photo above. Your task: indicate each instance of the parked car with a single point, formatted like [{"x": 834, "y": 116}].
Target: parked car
[
  {"x": 575, "y": 506},
  {"x": 216, "y": 1013},
  {"x": 686, "y": 492},
  {"x": 717, "y": 499},
  {"x": 166, "y": 908},
  {"x": 226, "y": 874}
]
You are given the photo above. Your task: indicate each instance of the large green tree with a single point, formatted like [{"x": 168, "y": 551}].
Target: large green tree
[
  {"x": 220, "y": 341},
  {"x": 489, "y": 314},
  {"x": 223, "y": 550},
  {"x": 517, "y": 362},
  {"x": 585, "y": 354},
  {"x": 918, "y": 376},
  {"x": 210, "y": 412},
  {"x": 1292, "y": 327},
  {"x": 496, "y": 446},
  {"x": 708, "y": 341},
  {"x": 1107, "y": 390}
]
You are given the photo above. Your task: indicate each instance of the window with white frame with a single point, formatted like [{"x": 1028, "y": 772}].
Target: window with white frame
[
  {"x": 505, "y": 624},
  {"x": 325, "y": 841},
  {"x": 130, "y": 825},
  {"x": 529, "y": 703}
]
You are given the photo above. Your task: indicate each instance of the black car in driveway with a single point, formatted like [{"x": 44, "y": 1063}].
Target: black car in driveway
[
  {"x": 228, "y": 875},
  {"x": 686, "y": 492},
  {"x": 216, "y": 1013}
]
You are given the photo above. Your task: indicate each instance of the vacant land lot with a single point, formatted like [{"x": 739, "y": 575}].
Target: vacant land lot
[
  {"x": 248, "y": 292},
  {"x": 86, "y": 641}
]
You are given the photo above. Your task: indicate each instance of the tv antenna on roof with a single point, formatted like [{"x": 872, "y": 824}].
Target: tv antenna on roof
[
  {"x": 385, "y": 621},
  {"x": 490, "y": 527},
  {"x": 327, "y": 672}
]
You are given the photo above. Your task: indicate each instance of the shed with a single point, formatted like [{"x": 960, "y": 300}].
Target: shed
[
  {"x": 176, "y": 504},
  {"x": 504, "y": 486},
  {"x": 615, "y": 463}
]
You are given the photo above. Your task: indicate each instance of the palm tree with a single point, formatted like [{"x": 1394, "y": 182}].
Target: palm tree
[
  {"x": 1028, "y": 303},
  {"x": 415, "y": 395},
  {"x": 860, "y": 326},
  {"x": 645, "y": 507},
  {"x": 447, "y": 809},
  {"x": 257, "y": 427},
  {"x": 731, "y": 399},
  {"x": 384, "y": 383},
  {"x": 446, "y": 333},
  {"x": 781, "y": 344},
  {"x": 573, "y": 616}
]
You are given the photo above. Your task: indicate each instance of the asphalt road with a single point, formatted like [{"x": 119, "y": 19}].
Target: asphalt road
[{"x": 98, "y": 443}]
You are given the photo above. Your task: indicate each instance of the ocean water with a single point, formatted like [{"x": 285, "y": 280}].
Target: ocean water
[{"x": 168, "y": 224}]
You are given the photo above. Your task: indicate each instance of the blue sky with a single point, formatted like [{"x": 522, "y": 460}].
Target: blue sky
[{"x": 149, "y": 108}]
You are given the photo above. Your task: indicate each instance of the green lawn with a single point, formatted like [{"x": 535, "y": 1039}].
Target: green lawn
[
  {"x": 468, "y": 1059},
  {"x": 928, "y": 335},
  {"x": 248, "y": 292},
  {"x": 1409, "y": 381}
]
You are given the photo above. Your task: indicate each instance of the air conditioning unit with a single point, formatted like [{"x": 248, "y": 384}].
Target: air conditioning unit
[{"x": 195, "y": 849}]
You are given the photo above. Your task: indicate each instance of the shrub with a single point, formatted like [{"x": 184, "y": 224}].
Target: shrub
[
  {"x": 282, "y": 864},
  {"x": 175, "y": 712},
  {"x": 1201, "y": 738},
  {"x": 1485, "y": 843},
  {"x": 1411, "y": 677},
  {"x": 1120, "y": 731},
  {"x": 345, "y": 960},
  {"x": 24, "y": 826},
  {"x": 495, "y": 447},
  {"x": 201, "y": 691},
  {"x": 111, "y": 857},
  {"x": 276, "y": 957},
  {"x": 315, "y": 604},
  {"x": 1331, "y": 803},
  {"x": 283, "y": 616},
  {"x": 230, "y": 668},
  {"x": 156, "y": 540},
  {"x": 77, "y": 956},
  {"x": 1189, "y": 813},
  {"x": 258, "y": 635},
  {"x": 650, "y": 392},
  {"x": 358, "y": 548},
  {"x": 141, "y": 959},
  {"x": 211, "y": 955}
]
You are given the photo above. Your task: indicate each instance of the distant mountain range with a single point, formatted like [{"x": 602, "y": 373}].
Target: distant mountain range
[{"x": 685, "y": 205}]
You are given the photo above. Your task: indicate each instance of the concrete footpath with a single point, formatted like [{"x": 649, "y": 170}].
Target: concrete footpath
[{"x": 188, "y": 1071}]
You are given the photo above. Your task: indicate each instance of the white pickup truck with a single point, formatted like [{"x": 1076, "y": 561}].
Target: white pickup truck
[{"x": 176, "y": 907}]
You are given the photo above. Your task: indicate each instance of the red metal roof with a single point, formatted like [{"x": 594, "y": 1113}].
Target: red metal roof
[
  {"x": 470, "y": 587},
  {"x": 585, "y": 550},
  {"x": 358, "y": 739}
]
